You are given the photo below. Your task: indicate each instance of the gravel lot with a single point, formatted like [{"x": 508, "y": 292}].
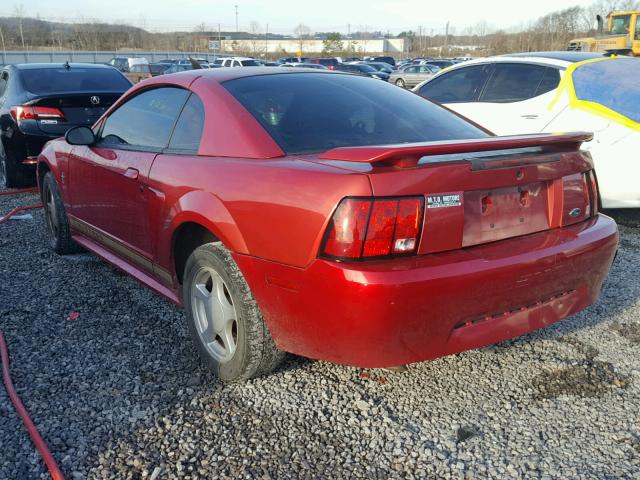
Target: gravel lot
[{"x": 119, "y": 393}]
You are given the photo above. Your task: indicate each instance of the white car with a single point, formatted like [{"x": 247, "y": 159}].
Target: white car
[
  {"x": 240, "y": 62},
  {"x": 556, "y": 92}
]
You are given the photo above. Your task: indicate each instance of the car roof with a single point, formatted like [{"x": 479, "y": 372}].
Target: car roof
[
  {"x": 511, "y": 59},
  {"x": 570, "y": 57},
  {"x": 221, "y": 75},
  {"x": 34, "y": 66}
]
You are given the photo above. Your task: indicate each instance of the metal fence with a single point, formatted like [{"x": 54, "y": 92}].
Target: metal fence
[{"x": 36, "y": 56}]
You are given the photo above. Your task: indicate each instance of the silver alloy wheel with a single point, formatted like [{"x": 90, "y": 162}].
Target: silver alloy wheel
[
  {"x": 51, "y": 214},
  {"x": 214, "y": 314},
  {"x": 400, "y": 82}
]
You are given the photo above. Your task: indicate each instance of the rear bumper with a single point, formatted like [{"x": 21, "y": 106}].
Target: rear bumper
[{"x": 377, "y": 314}]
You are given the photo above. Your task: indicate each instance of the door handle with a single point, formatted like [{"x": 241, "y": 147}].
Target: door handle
[
  {"x": 532, "y": 116},
  {"x": 131, "y": 173}
]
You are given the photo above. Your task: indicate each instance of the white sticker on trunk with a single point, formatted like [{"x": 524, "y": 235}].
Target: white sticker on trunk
[{"x": 445, "y": 200}]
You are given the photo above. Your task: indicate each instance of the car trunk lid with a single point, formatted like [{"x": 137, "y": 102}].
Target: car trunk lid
[
  {"x": 77, "y": 109},
  {"x": 483, "y": 190}
]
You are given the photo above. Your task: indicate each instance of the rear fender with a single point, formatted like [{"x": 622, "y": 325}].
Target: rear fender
[{"x": 206, "y": 210}]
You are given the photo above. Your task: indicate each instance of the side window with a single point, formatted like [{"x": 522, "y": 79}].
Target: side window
[
  {"x": 4, "y": 80},
  {"x": 550, "y": 81},
  {"x": 236, "y": 63},
  {"x": 513, "y": 82},
  {"x": 460, "y": 85},
  {"x": 411, "y": 70},
  {"x": 637, "y": 37},
  {"x": 145, "y": 120},
  {"x": 188, "y": 130}
]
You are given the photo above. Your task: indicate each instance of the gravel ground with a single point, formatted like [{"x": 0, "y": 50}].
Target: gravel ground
[{"x": 119, "y": 393}]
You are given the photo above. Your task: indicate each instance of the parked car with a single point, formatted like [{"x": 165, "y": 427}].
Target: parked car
[
  {"x": 362, "y": 69},
  {"x": 240, "y": 62},
  {"x": 283, "y": 60},
  {"x": 139, "y": 72},
  {"x": 158, "y": 68},
  {"x": 39, "y": 102},
  {"x": 124, "y": 64},
  {"x": 317, "y": 66},
  {"x": 411, "y": 75},
  {"x": 428, "y": 235},
  {"x": 441, "y": 64},
  {"x": 552, "y": 92},
  {"x": 386, "y": 59},
  {"x": 380, "y": 66},
  {"x": 331, "y": 63},
  {"x": 177, "y": 68}
]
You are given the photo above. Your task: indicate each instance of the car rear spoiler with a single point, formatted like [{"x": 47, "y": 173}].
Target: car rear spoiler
[{"x": 449, "y": 150}]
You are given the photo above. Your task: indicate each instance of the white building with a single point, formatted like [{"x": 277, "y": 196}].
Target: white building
[{"x": 291, "y": 46}]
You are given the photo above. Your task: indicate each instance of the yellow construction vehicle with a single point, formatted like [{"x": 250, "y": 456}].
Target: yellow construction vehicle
[{"x": 622, "y": 36}]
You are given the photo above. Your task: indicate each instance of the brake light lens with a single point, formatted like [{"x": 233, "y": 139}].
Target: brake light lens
[
  {"x": 593, "y": 183},
  {"x": 28, "y": 112},
  {"x": 374, "y": 228}
]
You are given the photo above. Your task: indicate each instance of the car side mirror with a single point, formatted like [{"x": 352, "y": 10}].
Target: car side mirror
[{"x": 81, "y": 135}]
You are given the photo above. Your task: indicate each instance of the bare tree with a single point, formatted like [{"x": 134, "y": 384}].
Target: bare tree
[
  {"x": 255, "y": 30},
  {"x": 303, "y": 33},
  {"x": 18, "y": 11}
]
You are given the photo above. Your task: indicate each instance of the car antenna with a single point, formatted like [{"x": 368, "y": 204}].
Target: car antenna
[{"x": 66, "y": 65}]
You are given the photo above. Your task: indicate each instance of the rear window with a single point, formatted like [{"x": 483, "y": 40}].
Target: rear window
[
  {"x": 60, "y": 80},
  {"x": 614, "y": 84},
  {"x": 309, "y": 112},
  {"x": 250, "y": 63}
]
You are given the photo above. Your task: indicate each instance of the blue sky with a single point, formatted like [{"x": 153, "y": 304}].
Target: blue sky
[{"x": 283, "y": 15}]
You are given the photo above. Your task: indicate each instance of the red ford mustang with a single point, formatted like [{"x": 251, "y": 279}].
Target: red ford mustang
[{"x": 329, "y": 215}]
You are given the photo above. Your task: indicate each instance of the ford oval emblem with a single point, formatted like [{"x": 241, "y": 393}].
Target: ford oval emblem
[
  {"x": 575, "y": 212},
  {"x": 95, "y": 100}
]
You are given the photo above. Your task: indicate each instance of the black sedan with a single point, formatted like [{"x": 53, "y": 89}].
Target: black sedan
[
  {"x": 362, "y": 69},
  {"x": 39, "y": 102}
]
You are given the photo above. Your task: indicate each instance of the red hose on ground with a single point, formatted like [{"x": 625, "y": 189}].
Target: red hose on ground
[
  {"x": 40, "y": 444},
  {"x": 18, "y": 210},
  {"x": 20, "y": 190}
]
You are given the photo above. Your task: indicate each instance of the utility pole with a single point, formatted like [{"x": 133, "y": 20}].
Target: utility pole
[
  {"x": 446, "y": 39},
  {"x": 236, "y": 18},
  {"x": 348, "y": 36},
  {"x": 266, "y": 42}
]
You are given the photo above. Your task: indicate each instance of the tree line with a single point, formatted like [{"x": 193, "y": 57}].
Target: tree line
[{"x": 550, "y": 32}]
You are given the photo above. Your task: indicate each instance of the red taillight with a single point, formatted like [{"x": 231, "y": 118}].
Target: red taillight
[
  {"x": 382, "y": 223},
  {"x": 593, "y": 184},
  {"x": 28, "y": 112},
  {"x": 367, "y": 228},
  {"x": 348, "y": 229}
]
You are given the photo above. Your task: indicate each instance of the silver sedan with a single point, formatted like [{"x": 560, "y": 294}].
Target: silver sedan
[{"x": 412, "y": 75}]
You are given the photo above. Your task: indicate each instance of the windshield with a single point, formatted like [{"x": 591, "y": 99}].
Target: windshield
[
  {"x": 614, "y": 84},
  {"x": 74, "y": 79},
  {"x": 315, "y": 112},
  {"x": 620, "y": 25}
]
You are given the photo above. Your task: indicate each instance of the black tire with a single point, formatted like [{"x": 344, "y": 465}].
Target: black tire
[
  {"x": 56, "y": 219},
  {"x": 11, "y": 175},
  {"x": 400, "y": 83},
  {"x": 255, "y": 354}
]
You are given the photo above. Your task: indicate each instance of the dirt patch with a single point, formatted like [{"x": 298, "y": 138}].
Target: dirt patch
[
  {"x": 588, "y": 378},
  {"x": 466, "y": 432},
  {"x": 629, "y": 331},
  {"x": 589, "y": 351}
]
